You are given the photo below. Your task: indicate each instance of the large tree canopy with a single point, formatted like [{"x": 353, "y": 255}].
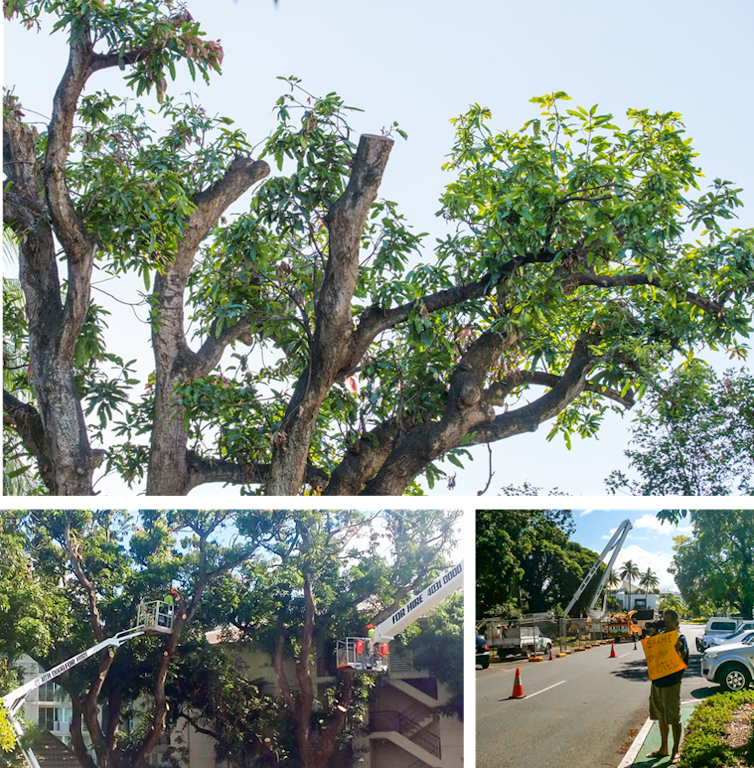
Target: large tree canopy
[
  {"x": 526, "y": 562},
  {"x": 304, "y": 344},
  {"x": 714, "y": 567}
]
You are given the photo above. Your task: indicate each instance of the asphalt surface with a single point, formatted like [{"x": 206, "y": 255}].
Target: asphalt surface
[{"x": 581, "y": 711}]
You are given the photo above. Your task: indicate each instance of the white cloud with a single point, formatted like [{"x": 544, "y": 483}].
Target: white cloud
[
  {"x": 651, "y": 522},
  {"x": 648, "y": 521},
  {"x": 657, "y": 561},
  {"x": 585, "y": 512}
]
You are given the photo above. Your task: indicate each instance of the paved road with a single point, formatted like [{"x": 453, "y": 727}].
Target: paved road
[{"x": 581, "y": 711}]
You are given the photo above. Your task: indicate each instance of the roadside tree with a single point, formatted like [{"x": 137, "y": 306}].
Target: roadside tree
[
  {"x": 715, "y": 565},
  {"x": 89, "y": 571},
  {"x": 675, "y": 602},
  {"x": 291, "y": 582},
  {"x": 503, "y": 540},
  {"x": 693, "y": 436},
  {"x": 318, "y": 592},
  {"x": 629, "y": 571}
]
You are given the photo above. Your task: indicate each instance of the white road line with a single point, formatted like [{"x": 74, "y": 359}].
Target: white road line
[
  {"x": 545, "y": 689},
  {"x": 633, "y": 752},
  {"x": 626, "y": 654}
]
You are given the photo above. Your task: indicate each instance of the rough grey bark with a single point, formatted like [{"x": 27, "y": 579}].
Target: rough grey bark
[
  {"x": 333, "y": 318},
  {"x": 40, "y": 206},
  {"x": 170, "y": 472}
]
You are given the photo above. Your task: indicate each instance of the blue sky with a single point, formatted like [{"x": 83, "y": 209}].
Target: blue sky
[
  {"x": 649, "y": 543},
  {"x": 422, "y": 62}
]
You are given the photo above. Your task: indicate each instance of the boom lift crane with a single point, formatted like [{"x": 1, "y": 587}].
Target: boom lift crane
[
  {"x": 151, "y": 618},
  {"x": 615, "y": 544},
  {"x": 370, "y": 654}
]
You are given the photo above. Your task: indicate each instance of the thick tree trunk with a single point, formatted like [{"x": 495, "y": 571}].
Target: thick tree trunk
[
  {"x": 334, "y": 330},
  {"x": 172, "y": 470}
]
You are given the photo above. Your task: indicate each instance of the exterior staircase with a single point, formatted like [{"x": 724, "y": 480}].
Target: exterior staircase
[{"x": 410, "y": 735}]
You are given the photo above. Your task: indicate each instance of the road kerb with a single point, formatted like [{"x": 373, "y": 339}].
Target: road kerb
[{"x": 649, "y": 736}]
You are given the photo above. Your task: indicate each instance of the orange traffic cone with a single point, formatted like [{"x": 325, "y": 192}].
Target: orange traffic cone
[
  {"x": 612, "y": 651},
  {"x": 634, "y": 642},
  {"x": 550, "y": 659},
  {"x": 518, "y": 691}
]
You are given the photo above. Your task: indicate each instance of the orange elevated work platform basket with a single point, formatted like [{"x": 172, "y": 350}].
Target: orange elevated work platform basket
[{"x": 361, "y": 655}]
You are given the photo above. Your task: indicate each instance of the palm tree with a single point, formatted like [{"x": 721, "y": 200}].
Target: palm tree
[
  {"x": 649, "y": 580},
  {"x": 611, "y": 582},
  {"x": 629, "y": 570}
]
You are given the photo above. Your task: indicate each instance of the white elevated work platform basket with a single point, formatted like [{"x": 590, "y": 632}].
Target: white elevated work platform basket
[
  {"x": 356, "y": 653},
  {"x": 155, "y": 617}
]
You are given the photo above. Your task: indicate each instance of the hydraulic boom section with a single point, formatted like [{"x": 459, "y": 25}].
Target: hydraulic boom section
[
  {"x": 614, "y": 544},
  {"x": 154, "y": 617}
]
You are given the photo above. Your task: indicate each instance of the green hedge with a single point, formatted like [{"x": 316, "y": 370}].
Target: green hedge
[{"x": 704, "y": 745}]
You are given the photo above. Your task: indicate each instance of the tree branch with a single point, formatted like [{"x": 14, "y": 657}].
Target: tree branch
[
  {"x": 497, "y": 392},
  {"x": 465, "y": 411},
  {"x": 205, "y": 470},
  {"x": 375, "y": 320},
  {"x": 25, "y": 419},
  {"x": 580, "y": 279},
  {"x": 528, "y": 418},
  {"x": 333, "y": 316},
  {"x": 363, "y": 459}
]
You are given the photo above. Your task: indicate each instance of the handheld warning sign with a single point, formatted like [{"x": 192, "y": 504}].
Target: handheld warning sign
[{"x": 661, "y": 654}]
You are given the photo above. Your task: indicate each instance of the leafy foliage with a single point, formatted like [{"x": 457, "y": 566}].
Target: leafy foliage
[
  {"x": 567, "y": 262},
  {"x": 602, "y": 202},
  {"x": 146, "y": 35},
  {"x": 714, "y": 567},
  {"x": 284, "y": 583},
  {"x": 693, "y": 436},
  {"x": 526, "y": 562}
]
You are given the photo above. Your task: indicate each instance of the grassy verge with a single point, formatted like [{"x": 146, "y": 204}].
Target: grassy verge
[{"x": 704, "y": 745}]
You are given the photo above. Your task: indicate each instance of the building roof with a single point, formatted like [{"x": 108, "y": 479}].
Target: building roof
[
  {"x": 224, "y": 635},
  {"x": 52, "y": 753}
]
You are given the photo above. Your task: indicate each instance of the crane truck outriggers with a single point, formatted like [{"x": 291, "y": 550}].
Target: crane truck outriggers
[
  {"x": 370, "y": 654},
  {"x": 155, "y": 617}
]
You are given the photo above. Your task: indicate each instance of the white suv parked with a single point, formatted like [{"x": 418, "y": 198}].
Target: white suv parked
[
  {"x": 717, "y": 626},
  {"x": 732, "y": 666},
  {"x": 740, "y": 636}
]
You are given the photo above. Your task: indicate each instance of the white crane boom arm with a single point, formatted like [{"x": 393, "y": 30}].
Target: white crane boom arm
[
  {"x": 14, "y": 700},
  {"x": 419, "y": 605},
  {"x": 615, "y": 544}
]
